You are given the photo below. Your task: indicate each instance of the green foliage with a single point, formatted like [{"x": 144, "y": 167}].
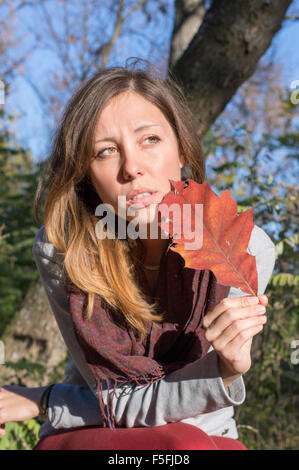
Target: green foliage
[
  {"x": 24, "y": 435},
  {"x": 18, "y": 182},
  {"x": 20, "y": 436},
  {"x": 272, "y": 406},
  {"x": 34, "y": 370}
]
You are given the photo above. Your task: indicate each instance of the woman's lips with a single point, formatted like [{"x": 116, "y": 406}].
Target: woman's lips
[{"x": 142, "y": 201}]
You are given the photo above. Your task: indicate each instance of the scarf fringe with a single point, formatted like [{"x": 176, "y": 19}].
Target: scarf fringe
[{"x": 107, "y": 410}]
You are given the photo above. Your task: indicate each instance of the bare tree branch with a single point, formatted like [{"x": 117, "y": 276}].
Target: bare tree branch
[
  {"x": 293, "y": 18},
  {"x": 116, "y": 33},
  {"x": 188, "y": 18},
  {"x": 61, "y": 45},
  {"x": 135, "y": 7}
]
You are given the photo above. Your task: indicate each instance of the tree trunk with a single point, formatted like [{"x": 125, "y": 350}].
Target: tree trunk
[
  {"x": 189, "y": 15},
  {"x": 224, "y": 52},
  {"x": 33, "y": 337}
]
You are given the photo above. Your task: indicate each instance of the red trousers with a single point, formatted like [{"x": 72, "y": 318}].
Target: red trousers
[{"x": 172, "y": 436}]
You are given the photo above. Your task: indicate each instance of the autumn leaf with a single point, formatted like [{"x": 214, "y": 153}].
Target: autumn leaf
[{"x": 209, "y": 234}]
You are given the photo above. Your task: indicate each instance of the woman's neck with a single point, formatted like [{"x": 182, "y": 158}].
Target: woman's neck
[{"x": 154, "y": 250}]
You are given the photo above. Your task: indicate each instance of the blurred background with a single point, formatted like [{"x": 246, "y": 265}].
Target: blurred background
[{"x": 238, "y": 62}]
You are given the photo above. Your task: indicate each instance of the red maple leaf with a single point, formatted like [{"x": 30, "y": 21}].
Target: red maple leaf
[{"x": 209, "y": 234}]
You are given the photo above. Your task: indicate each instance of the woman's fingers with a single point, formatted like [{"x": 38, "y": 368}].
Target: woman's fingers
[
  {"x": 238, "y": 331},
  {"x": 232, "y": 317},
  {"x": 263, "y": 299},
  {"x": 231, "y": 325},
  {"x": 232, "y": 347},
  {"x": 242, "y": 305}
]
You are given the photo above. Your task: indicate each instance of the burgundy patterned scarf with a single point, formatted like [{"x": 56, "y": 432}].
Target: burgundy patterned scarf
[{"x": 112, "y": 348}]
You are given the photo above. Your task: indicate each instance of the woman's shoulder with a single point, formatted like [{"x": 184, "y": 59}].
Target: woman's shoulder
[
  {"x": 262, "y": 247},
  {"x": 42, "y": 247},
  {"x": 259, "y": 240}
]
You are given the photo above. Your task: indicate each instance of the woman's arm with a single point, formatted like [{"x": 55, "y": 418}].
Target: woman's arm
[
  {"x": 192, "y": 390},
  {"x": 19, "y": 404}
]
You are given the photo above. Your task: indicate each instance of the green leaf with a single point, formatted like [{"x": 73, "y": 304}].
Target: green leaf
[
  {"x": 291, "y": 375},
  {"x": 270, "y": 179}
]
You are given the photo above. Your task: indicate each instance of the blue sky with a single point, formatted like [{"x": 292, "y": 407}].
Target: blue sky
[{"x": 23, "y": 103}]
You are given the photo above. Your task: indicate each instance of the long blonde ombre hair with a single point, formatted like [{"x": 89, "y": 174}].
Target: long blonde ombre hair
[{"x": 105, "y": 266}]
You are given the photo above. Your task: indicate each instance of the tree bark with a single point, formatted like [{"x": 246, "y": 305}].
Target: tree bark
[
  {"x": 189, "y": 15},
  {"x": 224, "y": 53},
  {"x": 33, "y": 337}
]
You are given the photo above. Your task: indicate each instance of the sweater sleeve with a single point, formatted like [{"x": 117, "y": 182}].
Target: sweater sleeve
[{"x": 193, "y": 390}]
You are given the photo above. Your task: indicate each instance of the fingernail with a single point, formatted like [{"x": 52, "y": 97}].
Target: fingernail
[
  {"x": 260, "y": 308},
  {"x": 263, "y": 295},
  {"x": 252, "y": 300}
]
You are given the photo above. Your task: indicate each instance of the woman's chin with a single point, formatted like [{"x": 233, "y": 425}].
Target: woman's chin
[{"x": 145, "y": 223}]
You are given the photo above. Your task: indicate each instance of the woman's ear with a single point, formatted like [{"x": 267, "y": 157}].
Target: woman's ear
[{"x": 182, "y": 161}]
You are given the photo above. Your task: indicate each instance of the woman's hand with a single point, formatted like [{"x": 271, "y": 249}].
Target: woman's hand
[
  {"x": 18, "y": 404},
  {"x": 230, "y": 327}
]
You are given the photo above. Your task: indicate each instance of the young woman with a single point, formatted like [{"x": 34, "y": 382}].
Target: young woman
[{"x": 157, "y": 351}]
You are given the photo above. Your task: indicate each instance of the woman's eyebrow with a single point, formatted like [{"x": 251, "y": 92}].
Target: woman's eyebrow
[{"x": 144, "y": 126}]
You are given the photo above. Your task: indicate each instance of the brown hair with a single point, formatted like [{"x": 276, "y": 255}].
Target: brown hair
[{"x": 105, "y": 266}]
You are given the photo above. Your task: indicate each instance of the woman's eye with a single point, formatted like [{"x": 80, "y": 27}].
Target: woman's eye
[
  {"x": 153, "y": 137},
  {"x": 101, "y": 154}
]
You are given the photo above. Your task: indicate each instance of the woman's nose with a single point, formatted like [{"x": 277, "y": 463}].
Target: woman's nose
[{"x": 132, "y": 163}]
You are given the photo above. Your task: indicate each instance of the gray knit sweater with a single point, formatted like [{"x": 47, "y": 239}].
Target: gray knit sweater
[{"x": 194, "y": 394}]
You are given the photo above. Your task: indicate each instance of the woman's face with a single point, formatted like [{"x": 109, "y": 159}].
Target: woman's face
[{"x": 135, "y": 148}]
